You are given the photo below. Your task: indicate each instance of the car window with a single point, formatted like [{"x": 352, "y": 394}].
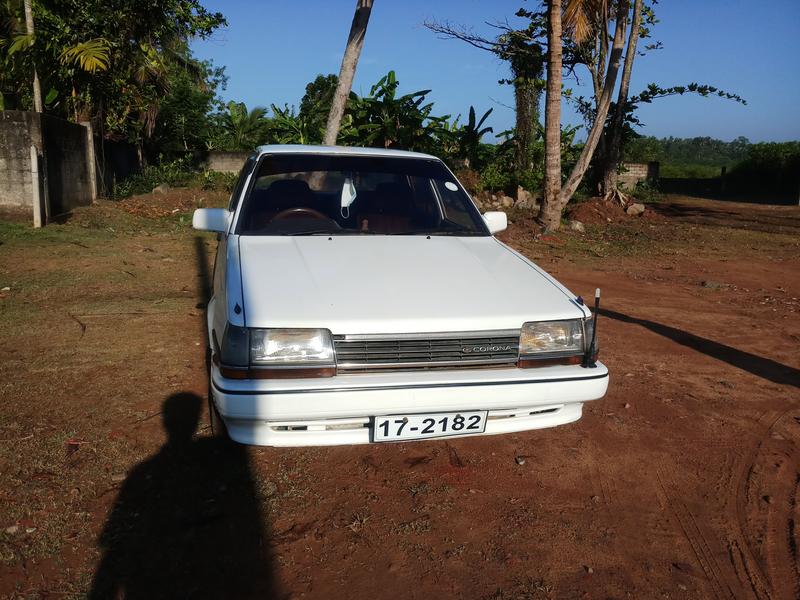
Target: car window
[
  {"x": 237, "y": 190},
  {"x": 316, "y": 194}
]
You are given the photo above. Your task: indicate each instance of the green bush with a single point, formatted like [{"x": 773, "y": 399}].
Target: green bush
[
  {"x": 217, "y": 181},
  {"x": 176, "y": 173},
  {"x": 646, "y": 192},
  {"x": 495, "y": 177},
  {"x": 532, "y": 181}
]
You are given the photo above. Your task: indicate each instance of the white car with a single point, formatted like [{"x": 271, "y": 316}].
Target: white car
[{"x": 359, "y": 296}]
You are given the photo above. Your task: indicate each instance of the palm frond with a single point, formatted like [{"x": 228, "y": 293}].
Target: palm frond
[
  {"x": 580, "y": 18},
  {"x": 20, "y": 42},
  {"x": 91, "y": 56}
]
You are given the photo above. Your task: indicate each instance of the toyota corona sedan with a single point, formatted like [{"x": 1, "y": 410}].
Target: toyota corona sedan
[{"x": 359, "y": 296}]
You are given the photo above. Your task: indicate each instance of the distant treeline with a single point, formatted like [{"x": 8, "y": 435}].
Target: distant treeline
[
  {"x": 688, "y": 157},
  {"x": 767, "y": 168}
]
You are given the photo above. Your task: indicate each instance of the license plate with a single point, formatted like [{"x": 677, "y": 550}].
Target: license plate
[{"x": 415, "y": 427}]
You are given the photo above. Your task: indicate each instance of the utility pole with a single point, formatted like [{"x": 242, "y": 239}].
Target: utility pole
[{"x": 37, "y": 89}]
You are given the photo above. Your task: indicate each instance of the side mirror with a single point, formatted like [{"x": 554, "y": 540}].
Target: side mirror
[
  {"x": 496, "y": 221},
  {"x": 211, "y": 219}
]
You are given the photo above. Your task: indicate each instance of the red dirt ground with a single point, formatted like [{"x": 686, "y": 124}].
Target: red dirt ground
[{"x": 681, "y": 483}]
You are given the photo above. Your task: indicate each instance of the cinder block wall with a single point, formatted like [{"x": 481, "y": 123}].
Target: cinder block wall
[
  {"x": 67, "y": 162},
  {"x": 632, "y": 173},
  {"x": 65, "y": 168},
  {"x": 226, "y": 162},
  {"x": 18, "y": 131}
]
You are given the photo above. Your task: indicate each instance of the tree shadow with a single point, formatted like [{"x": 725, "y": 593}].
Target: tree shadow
[
  {"x": 780, "y": 221},
  {"x": 187, "y": 523},
  {"x": 757, "y": 365}
]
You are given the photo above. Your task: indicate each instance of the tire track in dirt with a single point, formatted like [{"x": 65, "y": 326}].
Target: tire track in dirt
[
  {"x": 744, "y": 558},
  {"x": 775, "y": 482},
  {"x": 723, "y": 580}
]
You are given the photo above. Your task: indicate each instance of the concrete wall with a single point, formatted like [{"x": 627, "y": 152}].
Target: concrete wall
[
  {"x": 633, "y": 173},
  {"x": 66, "y": 170},
  {"x": 68, "y": 161},
  {"x": 226, "y": 162},
  {"x": 18, "y": 132}
]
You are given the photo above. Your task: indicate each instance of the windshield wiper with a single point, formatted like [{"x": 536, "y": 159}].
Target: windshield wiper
[
  {"x": 332, "y": 233},
  {"x": 465, "y": 232}
]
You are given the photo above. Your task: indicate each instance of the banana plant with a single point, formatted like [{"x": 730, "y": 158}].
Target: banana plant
[
  {"x": 469, "y": 137},
  {"x": 388, "y": 120}
]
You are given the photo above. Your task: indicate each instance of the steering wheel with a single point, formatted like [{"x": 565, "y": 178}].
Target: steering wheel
[{"x": 300, "y": 211}]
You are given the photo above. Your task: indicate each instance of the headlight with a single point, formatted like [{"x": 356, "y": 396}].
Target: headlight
[
  {"x": 551, "y": 339},
  {"x": 291, "y": 347}
]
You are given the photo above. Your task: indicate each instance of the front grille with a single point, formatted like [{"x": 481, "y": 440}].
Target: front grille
[{"x": 358, "y": 354}]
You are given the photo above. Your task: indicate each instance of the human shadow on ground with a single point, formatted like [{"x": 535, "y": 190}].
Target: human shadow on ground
[
  {"x": 752, "y": 363},
  {"x": 187, "y": 523}
]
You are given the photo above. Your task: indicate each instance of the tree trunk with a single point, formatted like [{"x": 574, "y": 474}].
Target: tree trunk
[
  {"x": 37, "y": 90},
  {"x": 613, "y": 148},
  {"x": 355, "y": 41},
  {"x": 523, "y": 102},
  {"x": 579, "y": 170},
  {"x": 550, "y": 216}
]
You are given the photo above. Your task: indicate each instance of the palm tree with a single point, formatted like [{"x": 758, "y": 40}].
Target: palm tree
[
  {"x": 355, "y": 41},
  {"x": 551, "y": 211},
  {"x": 243, "y": 129},
  {"x": 554, "y": 204},
  {"x": 37, "y": 90}
]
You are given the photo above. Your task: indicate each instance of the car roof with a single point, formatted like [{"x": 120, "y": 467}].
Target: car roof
[{"x": 338, "y": 150}]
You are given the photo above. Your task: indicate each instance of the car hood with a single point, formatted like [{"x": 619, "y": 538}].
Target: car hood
[{"x": 395, "y": 284}]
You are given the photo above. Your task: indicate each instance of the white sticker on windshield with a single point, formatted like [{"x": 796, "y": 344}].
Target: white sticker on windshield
[{"x": 451, "y": 186}]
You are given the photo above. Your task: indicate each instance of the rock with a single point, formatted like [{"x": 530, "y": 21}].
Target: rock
[
  {"x": 627, "y": 405},
  {"x": 12, "y": 530},
  {"x": 577, "y": 226},
  {"x": 520, "y": 460},
  {"x": 524, "y": 198},
  {"x": 506, "y": 201},
  {"x": 161, "y": 189},
  {"x": 596, "y": 499},
  {"x": 589, "y": 570},
  {"x": 635, "y": 209},
  {"x": 6, "y": 289},
  {"x": 713, "y": 285},
  {"x": 270, "y": 489}
]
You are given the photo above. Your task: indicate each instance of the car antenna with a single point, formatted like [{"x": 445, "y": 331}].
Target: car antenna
[{"x": 588, "y": 357}]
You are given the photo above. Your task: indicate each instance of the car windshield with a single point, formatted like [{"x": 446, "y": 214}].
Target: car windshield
[{"x": 317, "y": 194}]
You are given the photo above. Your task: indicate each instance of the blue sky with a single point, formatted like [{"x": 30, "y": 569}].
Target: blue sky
[{"x": 271, "y": 50}]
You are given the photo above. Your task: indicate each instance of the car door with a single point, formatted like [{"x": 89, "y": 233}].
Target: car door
[{"x": 218, "y": 304}]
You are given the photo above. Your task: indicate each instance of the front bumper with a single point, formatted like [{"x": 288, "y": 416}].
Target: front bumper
[{"x": 339, "y": 410}]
